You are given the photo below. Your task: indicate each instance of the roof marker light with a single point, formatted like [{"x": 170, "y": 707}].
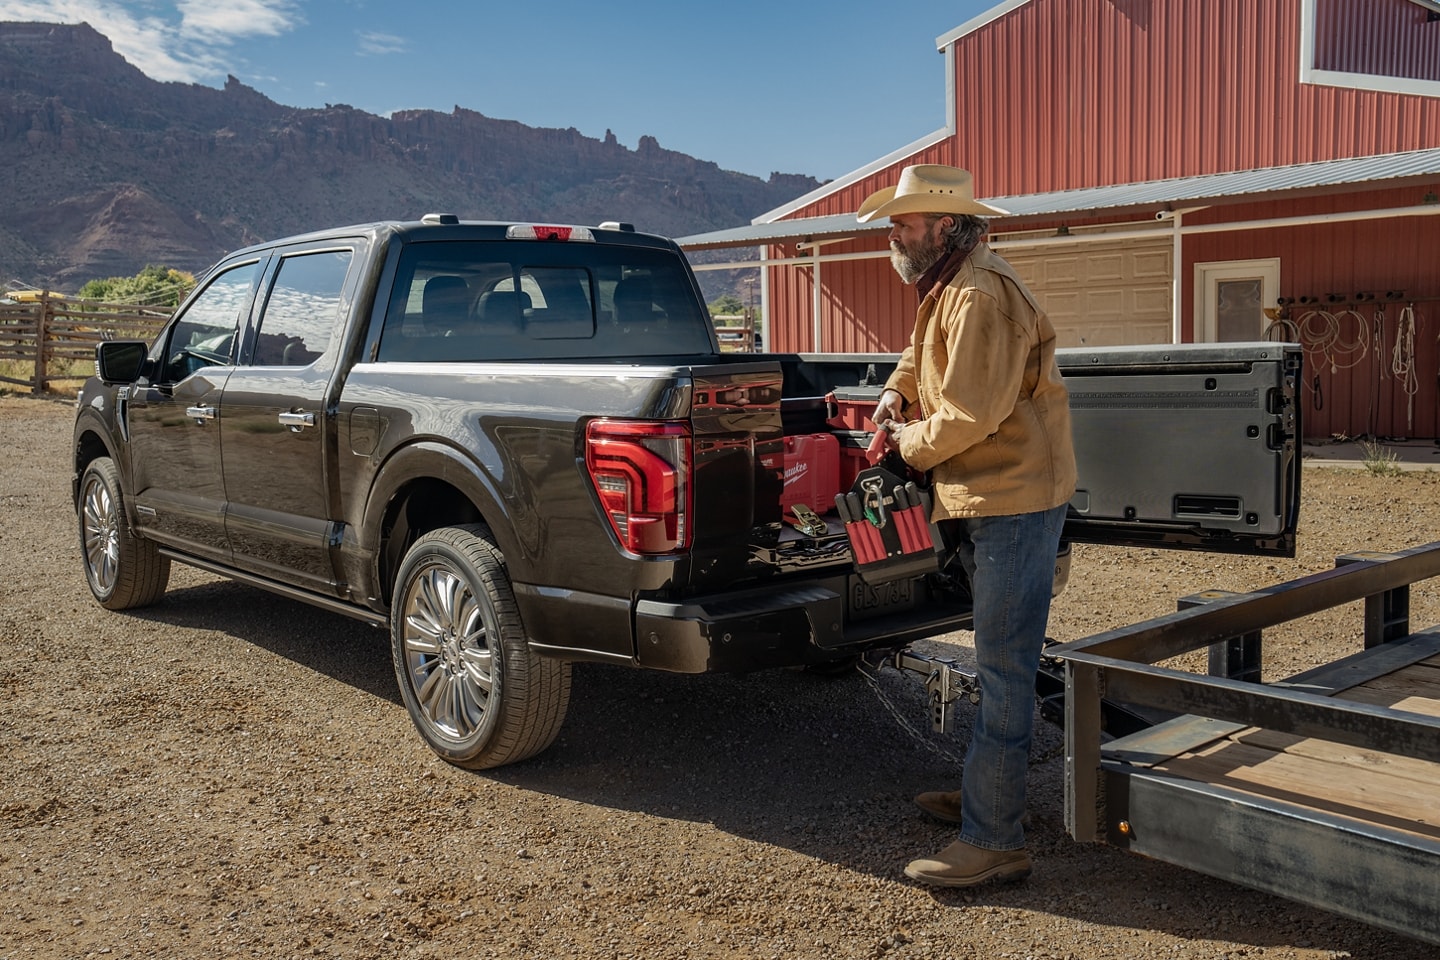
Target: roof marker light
[{"x": 538, "y": 231}]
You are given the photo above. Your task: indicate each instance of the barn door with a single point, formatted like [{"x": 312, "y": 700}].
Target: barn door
[{"x": 1231, "y": 297}]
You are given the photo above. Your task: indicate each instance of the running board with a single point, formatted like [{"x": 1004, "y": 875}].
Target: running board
[{"x": 284, "y": 590}]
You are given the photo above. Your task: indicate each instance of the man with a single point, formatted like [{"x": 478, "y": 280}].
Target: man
[{"x": 977, "y": 401}]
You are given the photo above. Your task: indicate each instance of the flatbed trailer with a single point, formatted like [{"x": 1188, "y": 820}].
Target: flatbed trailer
[{"x": 1323, "y": 788}]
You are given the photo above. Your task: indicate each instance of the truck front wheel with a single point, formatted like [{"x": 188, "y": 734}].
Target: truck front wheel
[
  {"x": 475, "y": 691},
  {"x": 124, "y": 571}
]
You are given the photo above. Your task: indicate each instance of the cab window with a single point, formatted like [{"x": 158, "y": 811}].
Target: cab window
[
  {"x": 302, "y": 309},
  {"x": 205, "y": 334}
]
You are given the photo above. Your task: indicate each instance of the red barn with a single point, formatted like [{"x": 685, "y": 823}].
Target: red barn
[{"x": 1175, "y": 170}]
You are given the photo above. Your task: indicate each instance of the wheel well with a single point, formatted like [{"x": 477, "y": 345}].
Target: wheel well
[
  {"x": 88, "y": 448},
  {"x": 417, "y": 508}
]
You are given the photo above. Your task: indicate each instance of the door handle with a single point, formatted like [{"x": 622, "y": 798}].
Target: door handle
[
  {"x": 200, "y": 414},
  {"x": 295, "y": 422}
]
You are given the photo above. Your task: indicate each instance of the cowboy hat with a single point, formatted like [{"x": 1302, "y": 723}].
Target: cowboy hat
[{"x": 927, "y": 188}]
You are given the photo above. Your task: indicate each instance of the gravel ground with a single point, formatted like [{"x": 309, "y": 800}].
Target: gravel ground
[{"x": 231, "y": 774}]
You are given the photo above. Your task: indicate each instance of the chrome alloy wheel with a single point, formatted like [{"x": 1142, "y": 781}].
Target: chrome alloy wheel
[
  {"x": 477, "y": 693},
  {"x": 448, "y": 651},
  {"x": 100, "y": 526},
  {"x": 122, "y": 569}
]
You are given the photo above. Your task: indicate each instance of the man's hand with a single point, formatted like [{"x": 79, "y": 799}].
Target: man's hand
[
  {"x": 892, "y": 430},
  {"x": 886, "y": 439},
  {"x": 890, "y": 407}
]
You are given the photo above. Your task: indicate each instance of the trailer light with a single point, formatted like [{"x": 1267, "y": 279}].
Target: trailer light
[{"x": 539, "y": 231}]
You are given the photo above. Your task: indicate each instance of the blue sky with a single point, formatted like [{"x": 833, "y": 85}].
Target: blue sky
[{"x": 754, "y": 86}]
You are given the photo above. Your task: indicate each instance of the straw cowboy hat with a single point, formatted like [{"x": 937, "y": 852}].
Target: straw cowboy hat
[{"x": 927, "y": 188}]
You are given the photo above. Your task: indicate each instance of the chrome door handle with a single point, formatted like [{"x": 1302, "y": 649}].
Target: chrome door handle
[
  {"x": 295, "y": 422},
  {"x": 200, "y": 414}
]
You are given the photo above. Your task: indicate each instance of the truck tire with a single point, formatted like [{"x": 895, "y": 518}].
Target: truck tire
[
  {"x": 474, "y": 689},
  {"x": 124, "y": 571}
]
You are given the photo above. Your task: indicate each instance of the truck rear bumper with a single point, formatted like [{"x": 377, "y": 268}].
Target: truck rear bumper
[
  {"x": 815, "y": 620},
  {"x": 781, "y": 626}
]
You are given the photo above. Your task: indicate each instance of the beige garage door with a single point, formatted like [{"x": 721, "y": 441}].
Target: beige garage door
[{"x": 1101, "y": 293}]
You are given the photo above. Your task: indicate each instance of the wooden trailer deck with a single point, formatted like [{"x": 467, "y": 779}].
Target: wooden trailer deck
[{"x": 1323, "y": 788}]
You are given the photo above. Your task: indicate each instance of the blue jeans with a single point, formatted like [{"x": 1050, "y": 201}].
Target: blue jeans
[{"x": 1011, "y": 564}]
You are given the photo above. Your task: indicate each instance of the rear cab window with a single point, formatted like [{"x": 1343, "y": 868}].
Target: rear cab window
[{"x": 477, "y": 300}]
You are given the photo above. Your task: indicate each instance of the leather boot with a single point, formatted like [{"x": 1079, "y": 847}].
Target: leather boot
[
  {"x": 941, "y": 804},
  {"x": 964, "y": 865}
]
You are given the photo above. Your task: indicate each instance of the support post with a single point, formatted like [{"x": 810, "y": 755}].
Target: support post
[
  {"x": 1235, "y": 658},
  {"x": 1083, "y": 803},
  {"x": 42, "y": 331},
  {"x": 1387, "y": 615}
]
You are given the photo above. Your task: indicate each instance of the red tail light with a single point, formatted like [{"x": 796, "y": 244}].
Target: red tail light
[{"x": 641, "y": 470}]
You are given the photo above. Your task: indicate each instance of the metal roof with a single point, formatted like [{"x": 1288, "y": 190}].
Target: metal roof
[{"x": 1381, "y": 170}]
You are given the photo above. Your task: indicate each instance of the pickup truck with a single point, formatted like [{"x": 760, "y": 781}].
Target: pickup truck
[{"x": 519, "y": 446}]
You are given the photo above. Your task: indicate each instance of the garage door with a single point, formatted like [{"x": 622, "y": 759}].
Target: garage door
[{"x": 1101, "y": 293}]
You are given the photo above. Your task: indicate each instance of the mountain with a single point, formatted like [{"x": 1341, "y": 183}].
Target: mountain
[{"x": 103, "y": 170}]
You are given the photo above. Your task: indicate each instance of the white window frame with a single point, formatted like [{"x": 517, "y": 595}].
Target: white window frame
[
  {"x": 1357, "y": 81},
  {"x": 1207, "y": 277}
]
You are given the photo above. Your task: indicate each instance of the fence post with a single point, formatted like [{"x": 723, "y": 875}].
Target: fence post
[{"x": 42, "y": 331}]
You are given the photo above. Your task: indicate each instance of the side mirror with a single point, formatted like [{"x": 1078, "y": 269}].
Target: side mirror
[{"x": 120, "y": 361}]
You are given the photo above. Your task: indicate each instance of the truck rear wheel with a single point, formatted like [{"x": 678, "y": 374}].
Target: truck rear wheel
[
  {"x": 474, "y": 689},
  {"x": 124, "y": 571}
]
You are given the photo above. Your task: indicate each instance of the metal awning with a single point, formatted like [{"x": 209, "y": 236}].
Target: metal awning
[{"x": 1386, "y": 170}]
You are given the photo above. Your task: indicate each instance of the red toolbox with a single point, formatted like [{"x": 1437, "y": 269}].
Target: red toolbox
[
  {"x": 811, "y": 472},
  {"x": 851, "y": 409}
]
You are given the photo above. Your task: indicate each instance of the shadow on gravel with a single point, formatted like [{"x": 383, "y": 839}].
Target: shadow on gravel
[
  {"x": 818, "y": 766},
  {"x": 823, "y": 767},
  {"x": 328, "y": 643}
]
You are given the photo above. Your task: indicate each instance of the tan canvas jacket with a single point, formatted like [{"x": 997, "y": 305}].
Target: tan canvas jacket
[{"x": 990, "y": 416}]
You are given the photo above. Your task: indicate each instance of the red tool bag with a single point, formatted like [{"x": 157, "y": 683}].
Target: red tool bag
[{"x": 887, "y": 519}]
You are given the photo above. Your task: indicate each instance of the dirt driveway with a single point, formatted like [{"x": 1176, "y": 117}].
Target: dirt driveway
[{"x": 230, "y": 774}]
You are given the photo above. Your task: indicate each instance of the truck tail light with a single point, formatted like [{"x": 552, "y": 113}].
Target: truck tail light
[{"x": 641, "y": 471}]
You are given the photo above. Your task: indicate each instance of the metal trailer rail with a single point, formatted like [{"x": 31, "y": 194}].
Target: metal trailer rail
[{"x": 1323, "y": 788}]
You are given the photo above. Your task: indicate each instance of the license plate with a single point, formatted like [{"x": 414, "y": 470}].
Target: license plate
[{"x": 872, "y": 600}]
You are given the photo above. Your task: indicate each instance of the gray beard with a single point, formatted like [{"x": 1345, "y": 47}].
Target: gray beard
[{"x": 913, "y": 267}]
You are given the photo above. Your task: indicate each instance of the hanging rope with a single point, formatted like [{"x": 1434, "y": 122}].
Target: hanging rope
[
  {"x": 1402, "y": 363},
  {"x": 1282, "y": 330},
  {"x": 1319, "y": 330}
]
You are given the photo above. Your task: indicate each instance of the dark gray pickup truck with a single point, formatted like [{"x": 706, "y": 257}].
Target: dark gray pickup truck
[{"x": 520, "y": 446}]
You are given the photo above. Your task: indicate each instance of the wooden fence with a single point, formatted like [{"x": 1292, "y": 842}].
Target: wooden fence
[{"x": 55, "y": 329}]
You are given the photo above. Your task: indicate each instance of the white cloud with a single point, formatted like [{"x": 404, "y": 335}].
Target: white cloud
[
  {"x": 221, "y": 23},
  {"x": 380, "y": 44},
  {"x": 187, "y": 47}
]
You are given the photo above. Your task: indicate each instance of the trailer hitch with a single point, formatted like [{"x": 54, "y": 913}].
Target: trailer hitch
[{"x": 946, "y": 681}]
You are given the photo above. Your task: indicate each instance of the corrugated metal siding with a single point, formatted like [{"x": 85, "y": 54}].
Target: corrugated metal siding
[
  {"x": 1066, "y": 94},
  {"x": 1346, "y": 392},
  {"x": 1132, "y": 91},
  {"x": 1385, "y": 37},
  {"x": 865, "y": 307}
]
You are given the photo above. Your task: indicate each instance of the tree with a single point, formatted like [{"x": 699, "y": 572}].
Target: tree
[
  {"x": 726, "y": 304},
  {"x": 155, "y": 286}
]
